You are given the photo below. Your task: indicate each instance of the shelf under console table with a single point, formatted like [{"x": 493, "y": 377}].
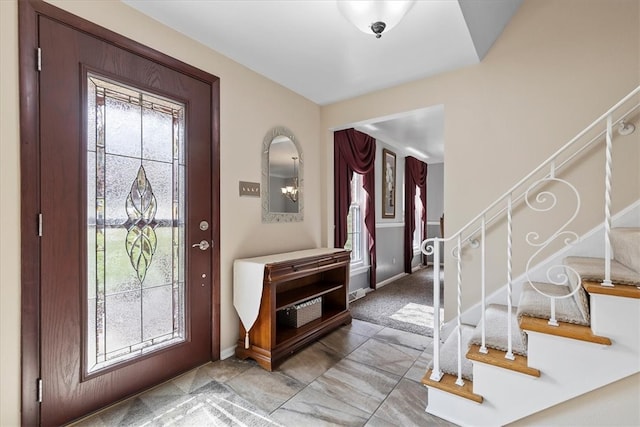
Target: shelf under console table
[{"x": 265, "y": 286}]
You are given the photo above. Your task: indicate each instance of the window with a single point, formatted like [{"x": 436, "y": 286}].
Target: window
[
  {"x": 419, "y": 224},
  {"x": 356, "y": 235},
  {"x": 135, "y": 223}
]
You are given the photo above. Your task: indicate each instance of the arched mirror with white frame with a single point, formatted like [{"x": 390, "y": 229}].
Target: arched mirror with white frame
[{"x": 282, "y": 177}]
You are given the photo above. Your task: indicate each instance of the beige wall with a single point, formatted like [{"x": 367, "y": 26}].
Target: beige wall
[
  {"x": 558, "y": 65},
  {"x": 559, "y": 62},
  {"x": 9, "y": 218},
  {"x": 250, "y": 106}
]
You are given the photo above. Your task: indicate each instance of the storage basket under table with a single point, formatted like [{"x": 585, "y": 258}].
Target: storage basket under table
[{"x": 301, "y": 314}]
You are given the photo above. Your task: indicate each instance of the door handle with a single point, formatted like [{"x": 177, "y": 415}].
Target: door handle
[{"x": 203, "y": 245}]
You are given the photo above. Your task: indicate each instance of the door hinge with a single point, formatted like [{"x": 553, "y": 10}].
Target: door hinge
[
  {"x": 39, "y": 225},
  {"x": 39, "y": 397},
  {"x": 39, "y": 59}
]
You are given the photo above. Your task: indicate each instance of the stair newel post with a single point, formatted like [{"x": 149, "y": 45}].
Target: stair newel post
[
  {"x": 509, "y": 354},
  {"x": 436, "y": 374},
  {"x": 483, "y": 347},
  {"x": 459, "y": 381},
  {"x": 607, "y": 204}
]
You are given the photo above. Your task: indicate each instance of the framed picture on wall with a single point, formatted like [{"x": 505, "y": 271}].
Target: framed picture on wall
[{"x": 388, "y": 184}]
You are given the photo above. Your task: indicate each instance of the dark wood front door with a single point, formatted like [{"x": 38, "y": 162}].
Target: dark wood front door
[{"x": 127, "y": 192}]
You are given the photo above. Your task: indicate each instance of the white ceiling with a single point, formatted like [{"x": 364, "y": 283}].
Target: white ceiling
[{"x": 310, "y": 48}]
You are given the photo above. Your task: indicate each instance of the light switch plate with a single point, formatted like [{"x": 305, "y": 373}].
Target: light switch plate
[{"x": 249, "y": 189}]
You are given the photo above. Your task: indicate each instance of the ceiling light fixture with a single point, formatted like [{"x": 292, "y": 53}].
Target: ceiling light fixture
[{"x": 375, "y": 15}]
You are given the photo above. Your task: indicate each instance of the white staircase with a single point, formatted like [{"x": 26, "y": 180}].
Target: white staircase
[
  {"x": 574, "y": 333},
  {"x": 559, "y": 367}
]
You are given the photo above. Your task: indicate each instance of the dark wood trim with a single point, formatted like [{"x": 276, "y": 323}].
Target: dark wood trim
[
  {"x": 28, "y": 16},
  {"x": 385, "y": 195},
  {"x": 30, "y": 207},
  {"x": 108, "y": 36},
  {"x": 215, "y": 211}
]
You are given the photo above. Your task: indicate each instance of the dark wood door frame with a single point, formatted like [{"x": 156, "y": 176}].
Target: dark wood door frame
[{"x": 29, "y": 12}]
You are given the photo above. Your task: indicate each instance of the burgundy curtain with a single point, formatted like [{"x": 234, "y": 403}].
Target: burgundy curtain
[
  {"x": 354, "y": 151},
  {"x": 415, "y": 175}
]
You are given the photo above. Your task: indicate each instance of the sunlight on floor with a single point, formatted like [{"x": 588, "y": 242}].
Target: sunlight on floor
[{"x": 417, "y": 314}]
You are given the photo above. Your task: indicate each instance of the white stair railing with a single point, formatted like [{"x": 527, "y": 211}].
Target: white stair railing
[
  {"x": 509, "y": 354},
  {"x": 459, "y": 381},
  {"x": 504, "y": 207},
  {"x": 607, "y": 204},
  {"x": 483, "y": 284}
]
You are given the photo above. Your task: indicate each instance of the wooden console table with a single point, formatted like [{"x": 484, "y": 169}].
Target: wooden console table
[{"x": 288, "y": 279}]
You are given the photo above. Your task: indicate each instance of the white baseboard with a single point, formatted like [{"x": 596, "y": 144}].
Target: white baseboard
[
  {"x": 430, "y": 264},
  {"x": 358, "y": 293},
  {"x": 227, "y": 352},
  {"x": 390, "y": 279}
]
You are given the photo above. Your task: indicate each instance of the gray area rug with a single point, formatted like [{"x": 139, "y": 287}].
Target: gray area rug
[{"x": 405, "y": 304}]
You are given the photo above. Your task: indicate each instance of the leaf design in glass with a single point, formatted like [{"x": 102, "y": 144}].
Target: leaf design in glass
[{"x": 141, "y": 238}]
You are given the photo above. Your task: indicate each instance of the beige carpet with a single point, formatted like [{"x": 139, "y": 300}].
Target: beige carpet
[{"x": 405, "y": 304}]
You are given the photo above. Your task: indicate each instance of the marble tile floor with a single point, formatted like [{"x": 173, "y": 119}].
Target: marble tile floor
[{"x": 359, "y": 375}]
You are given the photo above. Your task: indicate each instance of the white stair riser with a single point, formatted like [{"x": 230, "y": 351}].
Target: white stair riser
[
  {"x": 569, "y": 368},
  {"x": 508, "y": 396},
  {"x": 497, "y": 386},
  {"x": 587, "y": 365},
  {"x": 452, "y": 408},
  {"x": 606, "y": 315}
]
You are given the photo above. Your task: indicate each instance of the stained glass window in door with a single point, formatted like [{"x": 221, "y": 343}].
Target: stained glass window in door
[{"x": 135, "y": 223}]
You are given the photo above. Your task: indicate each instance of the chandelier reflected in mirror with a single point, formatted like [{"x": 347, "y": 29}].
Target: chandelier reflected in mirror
[{"x": 291, "y": 191}]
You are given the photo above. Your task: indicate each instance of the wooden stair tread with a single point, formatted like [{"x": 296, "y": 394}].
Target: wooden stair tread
[
  {"x": 567, "y": 330},
  {"x": 448, "y": 383},
  {"x": 618, "y": 290},
  {"x": 496, "y": 357}
]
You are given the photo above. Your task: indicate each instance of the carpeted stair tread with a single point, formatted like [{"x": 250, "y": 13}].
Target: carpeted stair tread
[
  {"x": 534, "y": 304},
  {"x": 625, "y": 291},
  {"x": 497, "y": 318},
  {"x": 625, "y": 243},
  {"x": 592, "y": 269},
  {"x": 497, "y": 358},
  {"x": 566, "y": 330},
  {"x": 449, "y": 353},
  {"x": 448, "y": 383}
]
